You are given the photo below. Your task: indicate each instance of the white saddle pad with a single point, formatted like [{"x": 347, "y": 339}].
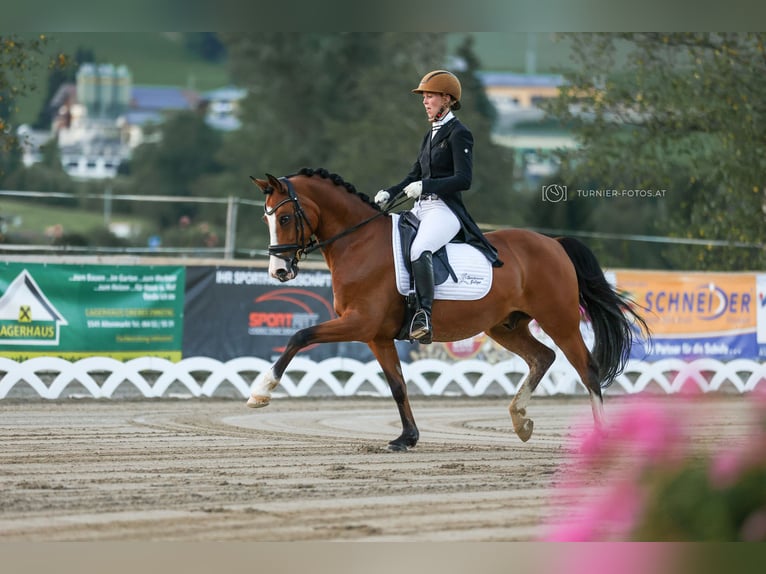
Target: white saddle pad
[{"x": 473, "y": 270}]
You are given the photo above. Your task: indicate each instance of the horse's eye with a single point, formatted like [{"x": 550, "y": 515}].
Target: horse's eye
[{"x": 284, "y": 219}]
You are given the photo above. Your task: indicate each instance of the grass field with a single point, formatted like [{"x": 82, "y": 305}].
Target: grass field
[{"x": 31, "y": 218}]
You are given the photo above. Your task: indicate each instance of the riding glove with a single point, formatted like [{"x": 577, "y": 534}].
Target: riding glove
[
  {"x": 414, "y": 189},
  {"x": 382, "y": 197}
]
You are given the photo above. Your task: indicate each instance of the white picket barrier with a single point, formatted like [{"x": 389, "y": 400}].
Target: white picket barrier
[{"x": 104, "y": 377}]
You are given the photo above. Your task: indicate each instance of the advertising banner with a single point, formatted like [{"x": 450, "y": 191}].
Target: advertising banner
[
  {"x": 693, "y": 315},
  {"x": 237, "y": 312},
  {"x": 75, "y": 311}
]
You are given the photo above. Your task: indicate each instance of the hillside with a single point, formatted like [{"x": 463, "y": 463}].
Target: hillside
[
  {"x": 161, "y": 59},
  {"x": 152, "y": 57},
  {"x": 508, "y": 51}
]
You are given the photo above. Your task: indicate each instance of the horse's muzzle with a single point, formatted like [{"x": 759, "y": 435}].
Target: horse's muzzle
[{"x": 283, "y": 275}]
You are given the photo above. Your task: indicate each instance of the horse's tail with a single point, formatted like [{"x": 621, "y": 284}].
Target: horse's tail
[{"x": 611, "y": 314}]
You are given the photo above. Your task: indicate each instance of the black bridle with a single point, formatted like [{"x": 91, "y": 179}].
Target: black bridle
[{"x": 302, "y": 248}]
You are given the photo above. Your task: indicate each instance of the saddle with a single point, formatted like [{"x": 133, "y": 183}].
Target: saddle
[
  {"x": 408, "y": 228},
  {"x": 471, "y": 281}
]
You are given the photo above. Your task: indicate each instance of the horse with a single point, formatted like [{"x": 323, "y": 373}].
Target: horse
[{"x": 543, "y": 278}]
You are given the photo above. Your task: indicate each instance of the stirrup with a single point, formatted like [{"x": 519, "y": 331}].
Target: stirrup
[{"x": 421, "y": 333}]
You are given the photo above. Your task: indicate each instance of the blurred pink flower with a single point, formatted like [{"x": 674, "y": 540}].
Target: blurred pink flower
[
  {"x": 725, "y": 468},
  {"x": 754, "y": 528},
  {"x": 622, "y": 483},
  {"x": 609, "y": 516}
]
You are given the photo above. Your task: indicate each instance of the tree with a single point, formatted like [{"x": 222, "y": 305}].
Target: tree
[
  {"x": 344, "y": 101},
  {"x": 175, "y": 165},
  {"x": 18, "y": 58},
  {"x": 338, "y": 101},
  {"x": 58, "y": 76},
  {"x": 491, "y": 197},
  {"x": 206, "y": 45},
  {"x": 684, "y": 112}
]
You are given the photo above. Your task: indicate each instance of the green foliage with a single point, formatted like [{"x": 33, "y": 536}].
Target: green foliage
[
  {"x": 18, "y": 59},
  {"x": 42, "y": 177},
  {"x": 31, "y": 221},
  {"x": 344, "y": 101},
  {"x": 681, "y": 111},
  {"x": 205, "y": 45},
  {"x": 175, "y": 165},
  {"x": 338, "y": 101},
  {"x": 491, "y": 197},
  {"x": 57, "y": 77},
  {"x": 659, "y": 484}
]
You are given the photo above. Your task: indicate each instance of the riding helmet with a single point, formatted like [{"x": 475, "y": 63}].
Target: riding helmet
[{"x": 441, "y": 82}]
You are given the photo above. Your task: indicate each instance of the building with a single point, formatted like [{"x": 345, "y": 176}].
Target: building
[
  {"x": 521, "y": 122},
  {"x": 222, "y": 107},
  {"x": 101, "y": 118}
]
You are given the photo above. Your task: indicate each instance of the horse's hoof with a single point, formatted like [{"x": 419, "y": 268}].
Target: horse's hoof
[
  {"x": 525, "y": 430},
  {"x": 256, "y": 402},
  {"x": 397, "y": 447}
]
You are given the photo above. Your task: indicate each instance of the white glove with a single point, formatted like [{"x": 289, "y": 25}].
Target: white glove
[
  {"x": 414, "y": 189},
  {"x": 382, "y": 197}
]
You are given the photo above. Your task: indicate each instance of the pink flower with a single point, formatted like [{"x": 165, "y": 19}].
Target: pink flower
[
  {"x": 610, "y": 516},
  {"x": 754, "y": 528},
  {"x": 725, "y": 468}
]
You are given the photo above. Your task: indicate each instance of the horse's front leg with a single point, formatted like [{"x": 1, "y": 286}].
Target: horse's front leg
[
  {"x": 261, "y": 393},
  {"x": 333, "y": 331},
  {"x": 385, "y": 352}
]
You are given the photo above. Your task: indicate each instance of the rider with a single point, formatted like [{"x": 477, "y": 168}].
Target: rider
[{"x": 442, "y": 171}]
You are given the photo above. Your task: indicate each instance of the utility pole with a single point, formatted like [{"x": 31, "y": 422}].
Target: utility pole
[
  {"x": 231, "y": 227},
  {"x": 108, "y": 205}
]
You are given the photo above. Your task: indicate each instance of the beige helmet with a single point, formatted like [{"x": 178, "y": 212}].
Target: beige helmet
[{"x": 441, "y": 82}]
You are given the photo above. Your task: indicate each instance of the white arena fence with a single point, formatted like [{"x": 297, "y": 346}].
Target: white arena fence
[{"x": 149, "y": 377}]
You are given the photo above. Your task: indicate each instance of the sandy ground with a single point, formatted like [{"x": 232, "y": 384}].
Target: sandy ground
[{"x": 299, "y": 470}]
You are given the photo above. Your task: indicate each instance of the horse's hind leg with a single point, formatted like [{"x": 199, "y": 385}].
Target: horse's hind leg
[
  {"x": 577, "y": 353},
  {"x": 514, "y": 335},
  {"x": 570, "y": 341}
]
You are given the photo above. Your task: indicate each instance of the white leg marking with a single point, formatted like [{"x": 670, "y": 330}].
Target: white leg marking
[
  {"x": 518, "y": 409},
  {"x": 262, "y": 387},
  {"x": 275, "y": 263},
  {"x": 597, "y": 406},
  {"x": 523, "y": 396}
]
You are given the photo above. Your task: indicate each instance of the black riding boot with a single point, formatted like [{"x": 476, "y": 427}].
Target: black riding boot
[{"x": 423, "y": 273}]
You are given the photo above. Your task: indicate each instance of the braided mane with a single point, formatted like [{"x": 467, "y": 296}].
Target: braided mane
[{"x": 337, "y": 180}]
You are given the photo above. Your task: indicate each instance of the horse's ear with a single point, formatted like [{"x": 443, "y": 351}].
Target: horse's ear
[
  {"x": 274, "y": 182},
  {"x": 263, "y": 184}
]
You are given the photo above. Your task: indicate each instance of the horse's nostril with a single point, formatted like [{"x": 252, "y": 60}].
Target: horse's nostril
[{"x": 282, "y": 275}]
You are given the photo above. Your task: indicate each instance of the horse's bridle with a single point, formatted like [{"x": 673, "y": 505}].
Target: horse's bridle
[{"x": 303, "y": 248}]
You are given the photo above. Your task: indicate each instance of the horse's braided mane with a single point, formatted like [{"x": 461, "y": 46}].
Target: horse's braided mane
[{"x": 337, "y": 180}]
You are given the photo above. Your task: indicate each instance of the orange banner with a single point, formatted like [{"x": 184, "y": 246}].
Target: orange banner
[{"x": 683, "y": 304}]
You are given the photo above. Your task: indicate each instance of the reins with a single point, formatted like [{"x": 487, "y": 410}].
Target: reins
[
  {"x": 303, "y": 249},
  {"x": 313, "y": 246}
]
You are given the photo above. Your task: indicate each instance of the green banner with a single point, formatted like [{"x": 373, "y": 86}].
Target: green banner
[{"x": 75, "y": 311}]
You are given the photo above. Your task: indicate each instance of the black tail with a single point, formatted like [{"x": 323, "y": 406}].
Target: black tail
[{"x": 610, "y": 312}]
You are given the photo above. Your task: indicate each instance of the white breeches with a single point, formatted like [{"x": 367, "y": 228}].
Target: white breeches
[{"x": 438, "y": 225}]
